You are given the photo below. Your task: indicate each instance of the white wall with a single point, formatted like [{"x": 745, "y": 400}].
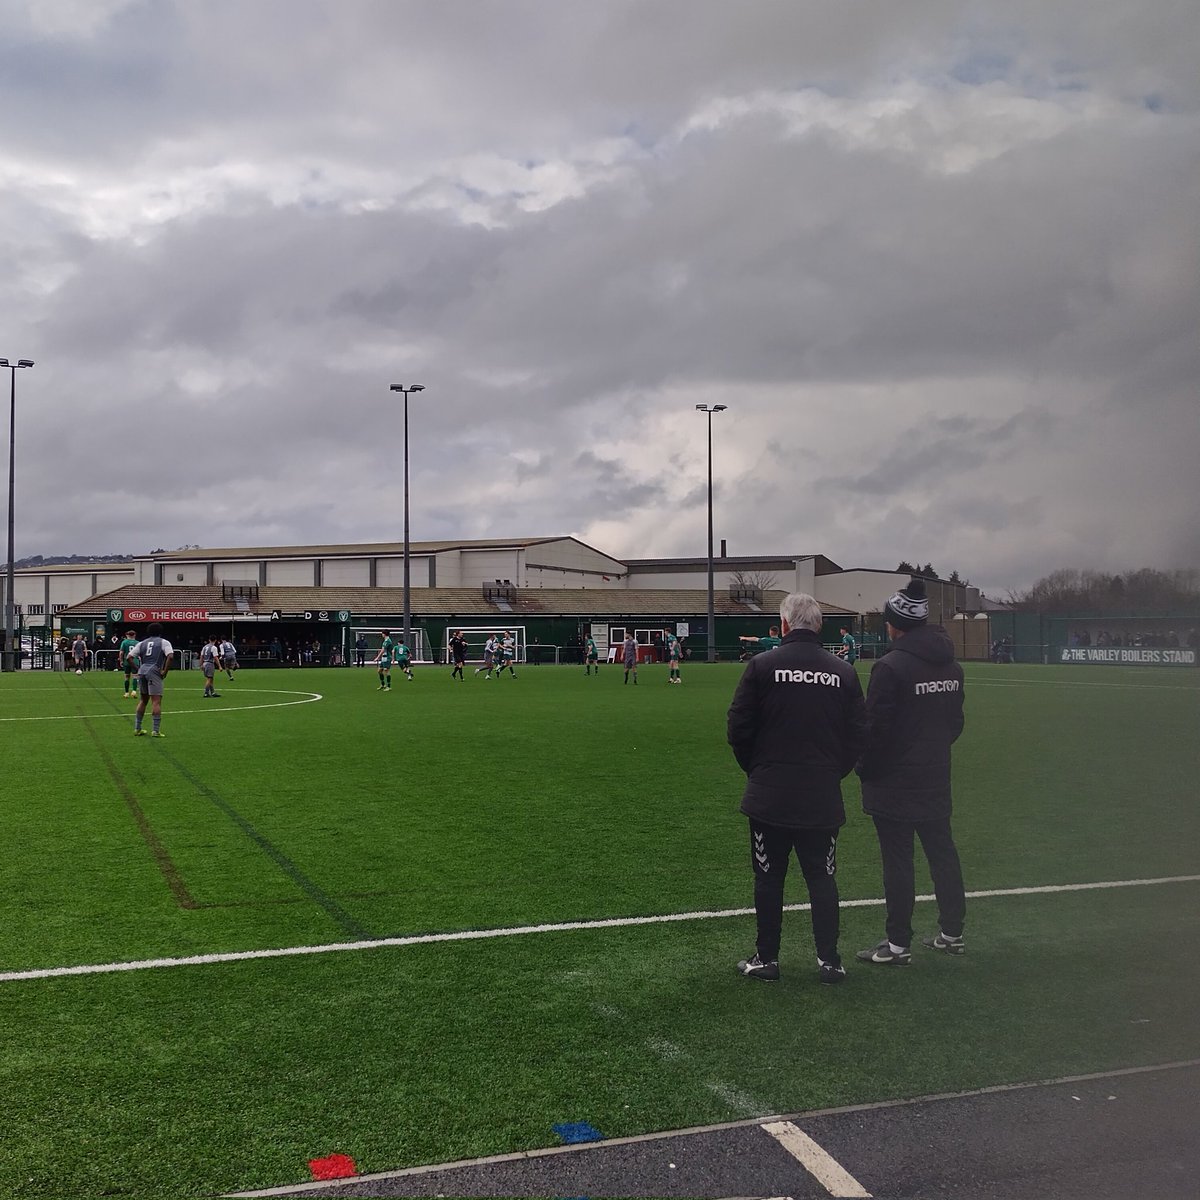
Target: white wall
[
  {"x": 859, "y": 591},
  {"x": 577, "y": 566},
  {"x": 867, "y": 591},
  {"x": 389, "y": 572},
  {"x": 66, "y": 587},
  {"x": 194, "y": 574},
  {"x": 298, "y": 573},
  {"x": 486, "y": 566},
  {"x": 245, "y": 571},
  {"x": 787, "y": 580},
  {"x": 348, "y": 572}
]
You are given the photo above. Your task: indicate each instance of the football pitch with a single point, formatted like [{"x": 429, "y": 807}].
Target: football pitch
[{"x": 405, "y": 927}]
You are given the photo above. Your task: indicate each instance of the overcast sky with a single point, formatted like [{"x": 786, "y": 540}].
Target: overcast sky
[{"x": 940, "y": 260}]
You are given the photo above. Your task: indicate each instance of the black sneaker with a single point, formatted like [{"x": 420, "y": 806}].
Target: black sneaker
[
  {"x": 757, "y": 969},
  {"x": 828, "y": 973},
  {"x": 884, "y": 955},
  {"x": 946, "y": 944}
]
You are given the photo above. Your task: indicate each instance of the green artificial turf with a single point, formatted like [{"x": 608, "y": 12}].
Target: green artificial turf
[{"x": 550, "y": 798}]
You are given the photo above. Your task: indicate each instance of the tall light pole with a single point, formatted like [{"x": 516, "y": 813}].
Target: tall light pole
[
  {"x": 712, "y": 613},
  {"x": 399, "y": 387},
  {"x": 11, "y": 655}
]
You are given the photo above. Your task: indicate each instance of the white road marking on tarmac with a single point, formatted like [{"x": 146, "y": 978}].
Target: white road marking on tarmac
[
  {"x": 587, "y": 1147},
  {"x": 475, "y": 935},
  {"x": 819, "y": 1163}
]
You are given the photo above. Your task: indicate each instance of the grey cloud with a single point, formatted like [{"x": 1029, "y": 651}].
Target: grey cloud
[{"x": 1031, "y": 319}]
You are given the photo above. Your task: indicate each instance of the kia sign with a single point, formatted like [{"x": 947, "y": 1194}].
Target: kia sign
[{"x": 137, "y": 615}]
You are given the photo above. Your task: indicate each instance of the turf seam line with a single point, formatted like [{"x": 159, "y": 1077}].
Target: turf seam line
[
  {"x": 162, "y": 856},
  {"x": 660, "y": 1135},
  {"x": 474, "y": 935},
  {"x": 290, "y": 869}
]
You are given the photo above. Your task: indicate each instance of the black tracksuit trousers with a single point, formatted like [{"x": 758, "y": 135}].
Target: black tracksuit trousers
[
  {"x": 816, "y": 851},
  {"x": 899, "y": 877}
]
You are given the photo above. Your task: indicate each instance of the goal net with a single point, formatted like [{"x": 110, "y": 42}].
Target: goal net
[{"x": 477, "y": 635}]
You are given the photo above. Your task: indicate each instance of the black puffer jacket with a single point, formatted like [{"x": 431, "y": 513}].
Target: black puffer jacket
[
  {"x": 914, "y": 716},
  {"x": 796, "y": 728}
]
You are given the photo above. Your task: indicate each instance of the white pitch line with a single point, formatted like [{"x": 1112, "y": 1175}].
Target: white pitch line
[
  {"x": 476, "y": 935},
  {"x": 309, "y": 698},
  {"x": 975, "y": 681},
  {"x": 819, "y": 1163}
]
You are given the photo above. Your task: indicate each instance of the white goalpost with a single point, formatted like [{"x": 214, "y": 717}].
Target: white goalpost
[{"x": 477, "y": 635}]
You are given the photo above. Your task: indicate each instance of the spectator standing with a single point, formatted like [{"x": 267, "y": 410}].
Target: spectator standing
[
  {"x": 914, "y": 716},
  {"x": 796, "y": 729},
  {"x": 360, "y": 651}
]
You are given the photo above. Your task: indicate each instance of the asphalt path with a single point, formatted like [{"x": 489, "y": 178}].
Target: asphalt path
[{"x": 1114, "y": 1136}]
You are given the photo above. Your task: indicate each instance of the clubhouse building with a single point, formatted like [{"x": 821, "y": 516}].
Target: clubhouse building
[{"x": 284, "y": 601}]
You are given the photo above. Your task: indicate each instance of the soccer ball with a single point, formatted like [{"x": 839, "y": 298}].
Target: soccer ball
[{"x": 79, "y": 671}]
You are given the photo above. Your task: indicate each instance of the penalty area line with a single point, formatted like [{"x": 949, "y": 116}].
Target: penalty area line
[{"x": 476, "y": 935}]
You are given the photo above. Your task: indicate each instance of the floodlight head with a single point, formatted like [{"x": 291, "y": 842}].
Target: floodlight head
[
  {"x": 4, "y": 362},
  {"x": 719, "y": 407},
  {"x": 417, "y": 387},
  {"x": 24, "y": 362},
  {"x": 702, "y": 408},
  {"x": 396, "y": 387}
]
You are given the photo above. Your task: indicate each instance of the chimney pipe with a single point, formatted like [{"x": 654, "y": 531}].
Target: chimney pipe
[{"x": 722, "y": 547}]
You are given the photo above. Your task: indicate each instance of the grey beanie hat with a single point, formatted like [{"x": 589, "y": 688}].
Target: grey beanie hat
[{"x": 909, "y": 607}]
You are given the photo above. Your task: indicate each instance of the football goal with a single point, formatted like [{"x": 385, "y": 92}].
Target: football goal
[{"x": 477, "y": 635}]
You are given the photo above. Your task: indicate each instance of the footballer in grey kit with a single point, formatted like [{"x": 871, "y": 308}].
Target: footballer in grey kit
[{"x": 154, "y": 654}]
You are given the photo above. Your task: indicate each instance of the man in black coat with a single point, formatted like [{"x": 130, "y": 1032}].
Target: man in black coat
[
  {"x": 914, "y": 715},
  {"x": 796, "y": 728}
]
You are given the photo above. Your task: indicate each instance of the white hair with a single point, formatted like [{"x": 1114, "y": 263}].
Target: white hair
[{"x": 801, "y": 611}]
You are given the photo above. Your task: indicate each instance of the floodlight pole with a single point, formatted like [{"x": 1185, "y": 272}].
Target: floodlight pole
[
  {"x": 11, "y": 659},
  {"x": 712, "y": 615},
  {"x": 399, "y": 387}
]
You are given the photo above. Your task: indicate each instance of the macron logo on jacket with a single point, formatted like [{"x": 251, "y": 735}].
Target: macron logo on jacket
[
  {"x": 782, "y": 675},
  {"x": 937, "y": 685}
]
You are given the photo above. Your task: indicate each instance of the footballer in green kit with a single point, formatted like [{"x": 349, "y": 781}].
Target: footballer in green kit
[
  {"x": 770, "y": 642},
  {"x": 402, "y": 658},
  {"x": 129, "y": 661},
  {"x": 383, "y": 660}
]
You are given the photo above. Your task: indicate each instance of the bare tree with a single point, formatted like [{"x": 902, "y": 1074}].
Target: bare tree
[{"x": 755, "y": 581}]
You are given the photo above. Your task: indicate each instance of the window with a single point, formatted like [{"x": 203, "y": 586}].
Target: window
[
  {"x": 37, "y": 610},
  {"x": 59, "y": 607}
]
